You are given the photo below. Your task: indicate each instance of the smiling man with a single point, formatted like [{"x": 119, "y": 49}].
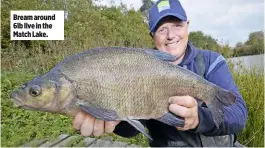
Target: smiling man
[
  {"x": 168, "y": 25},
  {"x": 171, "y": 35}
]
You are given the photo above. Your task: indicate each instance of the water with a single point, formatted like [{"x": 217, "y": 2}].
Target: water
[{"x": 248, "y": 62}]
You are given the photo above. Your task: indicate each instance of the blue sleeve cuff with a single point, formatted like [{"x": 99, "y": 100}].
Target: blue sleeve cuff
[{"x": 206, "y": 123}]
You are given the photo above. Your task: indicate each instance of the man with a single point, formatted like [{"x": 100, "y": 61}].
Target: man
[{"x": 168, "y": 26}]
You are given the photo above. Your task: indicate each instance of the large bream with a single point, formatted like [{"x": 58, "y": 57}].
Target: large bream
[{"x": 117, "y": 83}]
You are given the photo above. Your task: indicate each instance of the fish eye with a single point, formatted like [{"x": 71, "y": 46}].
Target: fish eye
[{"x": 35, "y": 91}]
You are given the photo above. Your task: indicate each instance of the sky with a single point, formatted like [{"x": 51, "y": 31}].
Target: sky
[{"x": 225, "y": 20}]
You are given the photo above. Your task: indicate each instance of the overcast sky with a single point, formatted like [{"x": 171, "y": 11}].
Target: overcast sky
[{"x": 227, "y": 20}]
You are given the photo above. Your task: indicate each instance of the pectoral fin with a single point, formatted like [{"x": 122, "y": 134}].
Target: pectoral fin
[
  {"x": 161, "y": 55},
  {"x": 100, "y": 113},
  {"x": 172, "y": 120},
  {"x": 139, "y": 126}
]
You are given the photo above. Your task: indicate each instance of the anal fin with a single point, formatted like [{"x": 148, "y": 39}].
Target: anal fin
[
  {"x": 217, "y": 111},
  {"x": 139, "y": 126}
]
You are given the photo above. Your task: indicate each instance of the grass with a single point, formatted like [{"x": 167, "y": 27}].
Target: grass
[
  {"x": 19, "y": 126},
  {"x": 251, "y": 87}
]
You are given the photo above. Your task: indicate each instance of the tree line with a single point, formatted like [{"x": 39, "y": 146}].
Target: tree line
[{"x": 89, "y": 25}]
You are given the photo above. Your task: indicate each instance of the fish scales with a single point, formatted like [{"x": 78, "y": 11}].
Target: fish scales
[{"x": 149, "y": 82}]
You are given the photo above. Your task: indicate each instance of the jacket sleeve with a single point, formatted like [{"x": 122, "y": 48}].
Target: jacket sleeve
[{"x": 235, "y": 116}]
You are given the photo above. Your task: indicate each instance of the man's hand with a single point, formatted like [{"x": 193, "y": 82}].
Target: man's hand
[
  {"x": 187, "y": 108},
  {"x": 88, "y": 125}
]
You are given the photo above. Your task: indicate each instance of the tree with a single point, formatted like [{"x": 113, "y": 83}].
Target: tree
[
  {"x": 254, "y": 45},
  {"x": 200, "y": 40},
  {"x": 144, "y": 9},
  {"x": 256, "y": 40}
]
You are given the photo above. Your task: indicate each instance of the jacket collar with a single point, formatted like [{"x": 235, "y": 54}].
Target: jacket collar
[{"x": 190, "y": 54}]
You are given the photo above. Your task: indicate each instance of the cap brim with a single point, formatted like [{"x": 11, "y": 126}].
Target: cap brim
[{"x": 164, "y": 15}]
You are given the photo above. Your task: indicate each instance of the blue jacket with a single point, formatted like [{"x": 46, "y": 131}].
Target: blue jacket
[{"x": 235, "y": 118}]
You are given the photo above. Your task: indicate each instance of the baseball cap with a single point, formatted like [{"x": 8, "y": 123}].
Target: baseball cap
[{"x": 163, "y": 8}]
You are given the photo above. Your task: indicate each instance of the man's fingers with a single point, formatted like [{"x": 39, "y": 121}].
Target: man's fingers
[
  {"x": 186, "y": 107},
  {"x": 87, "y": 126},
  {"x": 179, "y": 110},
  {"x": 110, "y": 126},
  {"x": 78, "y": 120},
  {"x": 182, "y": 128},
  {"x": 186, "y": 101},
  {"x": 98, "y": 127}
]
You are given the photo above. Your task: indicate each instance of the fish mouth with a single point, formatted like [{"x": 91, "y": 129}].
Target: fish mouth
[{"x": 18, "y": 103}]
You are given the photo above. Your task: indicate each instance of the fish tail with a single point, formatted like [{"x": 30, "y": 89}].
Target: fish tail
[
  {"x": 216, "y": 106},
  {"x": 225, "y": 97}
]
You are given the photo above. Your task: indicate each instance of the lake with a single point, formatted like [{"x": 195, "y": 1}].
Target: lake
[{"x": 249, "y": 61}]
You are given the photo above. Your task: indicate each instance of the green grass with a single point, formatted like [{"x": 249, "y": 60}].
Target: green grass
[
  {"x": 20, "y": 126},
  {"x": 251, "y": 86}
]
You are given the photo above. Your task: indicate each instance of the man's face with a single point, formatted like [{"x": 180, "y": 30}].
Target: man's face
[{"x": 171, "y": 36}]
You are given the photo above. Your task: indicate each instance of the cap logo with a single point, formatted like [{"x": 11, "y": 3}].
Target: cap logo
[{"x": 163, "y": 5}]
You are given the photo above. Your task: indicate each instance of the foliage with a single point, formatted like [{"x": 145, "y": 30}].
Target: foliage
[
  {"x": 200, "y": 40},
  {"x": 97, "y": 25},
  {"x": 144, "y": 9},
  {"x": 254, "y": 45},
  {"x": 251, "y": 87},
  {"x": 203, "y": 41}
]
